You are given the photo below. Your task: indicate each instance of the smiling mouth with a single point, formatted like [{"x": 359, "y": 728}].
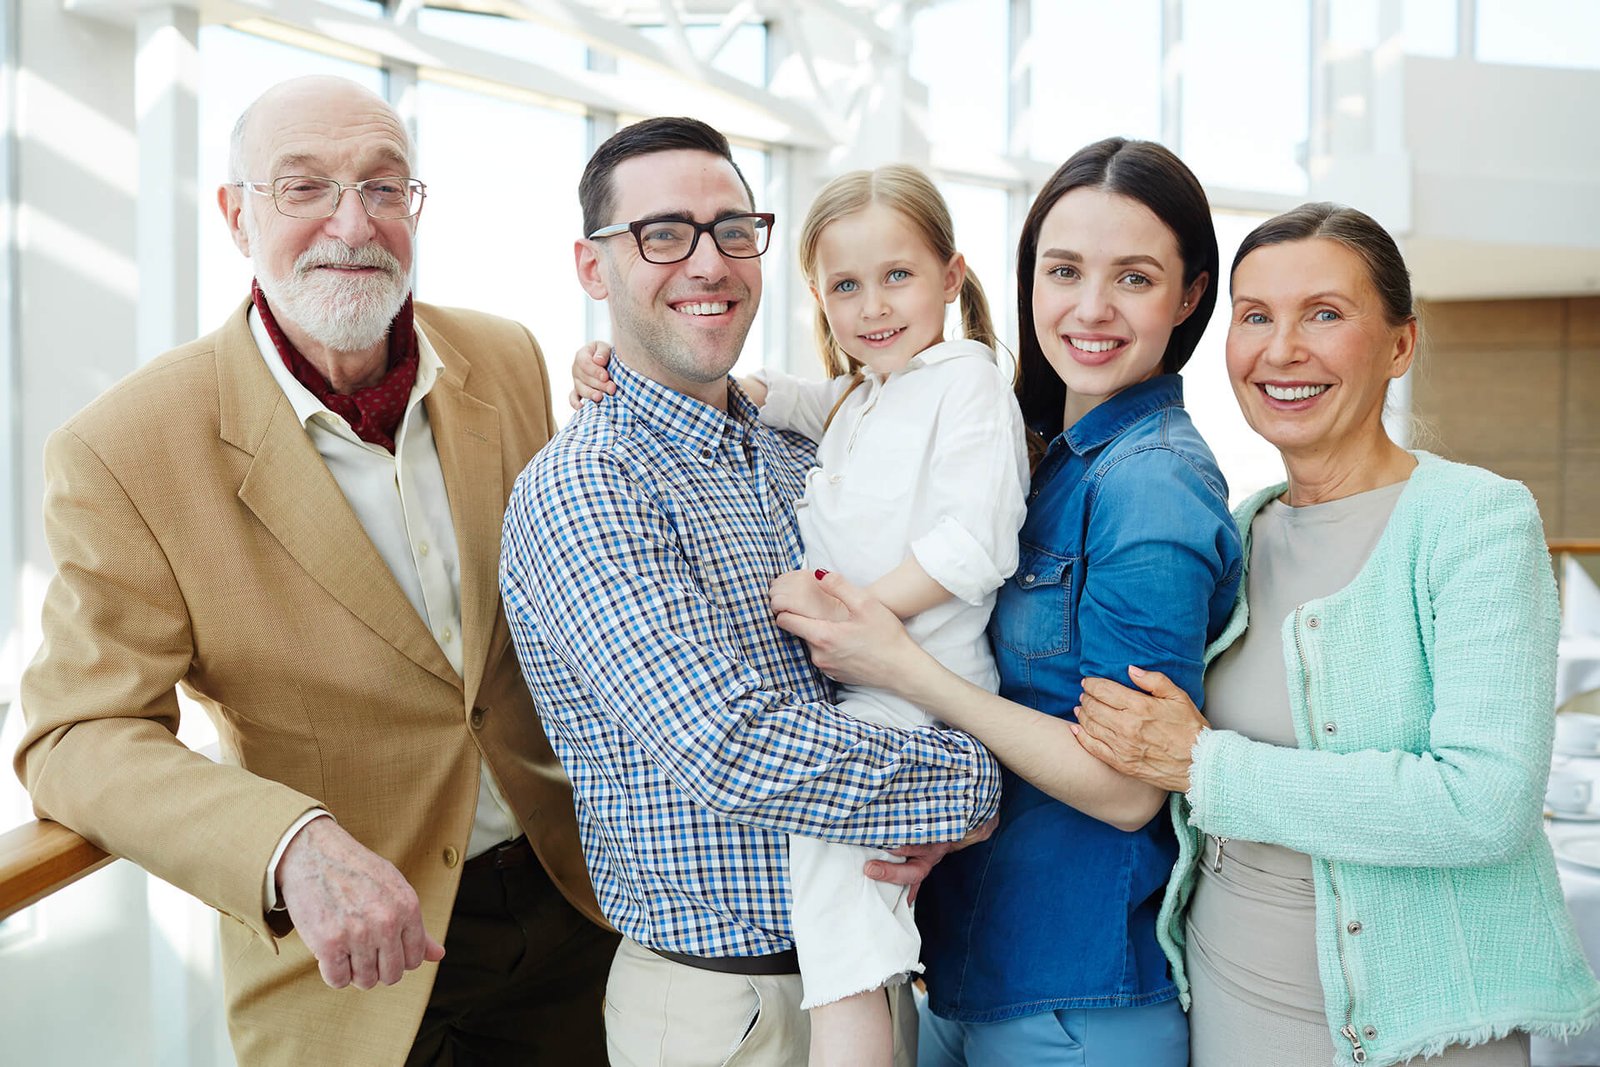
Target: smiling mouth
[
  {"x": 1092, "y": 347},
  {"x": 703, "y": 307},
  {"x": 882, "y": 335},
  {"x": 1293, "y": 392}
]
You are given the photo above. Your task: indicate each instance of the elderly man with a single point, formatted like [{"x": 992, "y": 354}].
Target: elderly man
[
  {"x": 635, "y": 564},
  {"x": 296, "y": 520}
]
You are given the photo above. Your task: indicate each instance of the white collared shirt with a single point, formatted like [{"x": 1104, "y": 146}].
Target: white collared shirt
[{"x": 402, "y": 503}]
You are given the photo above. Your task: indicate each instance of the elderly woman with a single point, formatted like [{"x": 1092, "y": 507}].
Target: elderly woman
[{"x": 1362, "y": 874}]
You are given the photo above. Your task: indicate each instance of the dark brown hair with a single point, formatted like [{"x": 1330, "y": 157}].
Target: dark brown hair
[
  {"x": 1150, "y": 174},
  {"x": 1357, "y": 231},
  {"x": 595, "y": 194}
]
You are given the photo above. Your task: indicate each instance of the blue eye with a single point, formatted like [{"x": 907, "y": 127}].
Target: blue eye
[
  {"x": 1326, "y": 315},
  {"x": 897, "y": 275},
  {"x": 1253, "y": 318},
  {"x": 849, "y": 285}
]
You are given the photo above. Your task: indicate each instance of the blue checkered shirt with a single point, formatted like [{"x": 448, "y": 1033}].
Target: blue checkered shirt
[{"x": 638, "y": 548}]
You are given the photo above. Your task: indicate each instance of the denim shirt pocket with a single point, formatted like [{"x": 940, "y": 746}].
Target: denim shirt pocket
[{"x": 1033, "y": 613}]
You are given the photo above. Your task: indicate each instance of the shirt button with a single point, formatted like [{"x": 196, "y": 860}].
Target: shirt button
[
  {"x": 1354, "y": 927},
  {"x": 835, "y": 479},
  {"x": 1029, "y": 579},
  {"x": 447, "y": 635},
  {"x": 705, "y": 453},
  {"x": 1330, "y": 728},
  {"x": 422, "y": 549},
  {"x": 451, "y": 856},
  {"x": 1312, "y": 622},
  {"x": 476, "y": 718}
]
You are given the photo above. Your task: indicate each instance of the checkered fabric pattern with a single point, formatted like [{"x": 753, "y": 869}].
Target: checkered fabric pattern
[{"x": 638, "y": 548}]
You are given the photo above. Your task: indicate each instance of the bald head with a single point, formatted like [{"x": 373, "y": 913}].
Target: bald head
[{"x": 294, "y": 101}]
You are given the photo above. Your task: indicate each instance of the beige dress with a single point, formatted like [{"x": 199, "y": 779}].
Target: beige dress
[{"x": 1252, "y": 947}]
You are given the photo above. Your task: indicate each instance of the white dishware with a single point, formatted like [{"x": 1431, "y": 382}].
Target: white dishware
[
  {"x": 1582, "y": 850},
  {"x": 1569, "y": 792},
  {"x": 1578, "y": 734}
]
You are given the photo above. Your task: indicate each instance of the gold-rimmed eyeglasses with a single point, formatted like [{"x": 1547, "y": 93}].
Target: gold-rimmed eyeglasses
[
  {"x": 302, "y": 196},
  {"x": 743, "y": 236}
]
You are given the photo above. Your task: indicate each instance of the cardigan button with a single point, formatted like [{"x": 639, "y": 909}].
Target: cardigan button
[
  {"x": 1354, "y": 927},
  {"x": 1313, "y": 622},
  {"x": 1369, "y": 1032},
  {"x": 1330, "y": 728}
]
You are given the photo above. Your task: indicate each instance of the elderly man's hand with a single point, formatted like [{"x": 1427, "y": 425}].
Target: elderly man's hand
[
  {"x": 1148, "y": 736},
  {"x": 590, "y": 379},
  {"x": 919, "y": 859},
  {"x": 356, "y": 913}
]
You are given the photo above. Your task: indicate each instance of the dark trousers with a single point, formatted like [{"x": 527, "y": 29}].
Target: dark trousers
[{"x": 523, "y": 978}]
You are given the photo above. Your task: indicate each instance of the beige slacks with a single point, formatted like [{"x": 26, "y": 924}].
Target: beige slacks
[{"x": 661, "y": 1013}]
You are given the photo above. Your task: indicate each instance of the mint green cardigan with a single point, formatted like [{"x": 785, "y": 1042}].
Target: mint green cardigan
[{"x": 1423, "y": 702}]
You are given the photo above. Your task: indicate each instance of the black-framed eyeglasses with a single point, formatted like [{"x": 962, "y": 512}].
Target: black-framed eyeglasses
[
  {"x": 302, "y": 196},
  {"x": 673, "y": 240}
]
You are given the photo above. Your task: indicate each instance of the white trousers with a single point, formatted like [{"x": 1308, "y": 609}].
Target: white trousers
[{"x": 852, "y": 933}]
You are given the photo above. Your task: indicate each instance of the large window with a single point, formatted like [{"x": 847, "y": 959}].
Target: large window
[
  {"x": 497, "y": 230},
  {"x": 959, "y": 52},
  {"x": 1541, "y": 33},
  {"x": 1094, "y": 71}
]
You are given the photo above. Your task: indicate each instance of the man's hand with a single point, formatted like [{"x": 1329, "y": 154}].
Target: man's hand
[
  {"x": 919, "y": 859},
  {"x": 356, "y": 913},
  {"x": 590, "y": 379}
]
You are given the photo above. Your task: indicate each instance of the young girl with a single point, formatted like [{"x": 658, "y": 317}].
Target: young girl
[
  {"x": 1040, "y": 942},
  {"x": 917, "y": 494}
]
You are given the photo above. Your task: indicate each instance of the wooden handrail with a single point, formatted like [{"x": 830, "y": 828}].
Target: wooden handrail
[
  {"x": 1577, "y": 546},
  {"x": 38, "y": 858}
]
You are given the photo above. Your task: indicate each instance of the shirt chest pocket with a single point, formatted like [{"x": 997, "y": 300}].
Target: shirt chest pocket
[{"x": 1033, "y": 615}]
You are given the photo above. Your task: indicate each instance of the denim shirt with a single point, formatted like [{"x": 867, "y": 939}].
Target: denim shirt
[{"x": 1128, "y": 556}]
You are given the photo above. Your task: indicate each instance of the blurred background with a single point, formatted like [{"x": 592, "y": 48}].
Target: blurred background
[{"x": 1468, "y": 127}]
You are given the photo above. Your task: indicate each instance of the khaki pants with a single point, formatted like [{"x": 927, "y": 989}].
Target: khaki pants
[{"x": 660, "y": 1013}]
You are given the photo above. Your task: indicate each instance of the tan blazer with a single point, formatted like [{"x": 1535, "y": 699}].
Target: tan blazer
[{"x": 201, "y": 541}]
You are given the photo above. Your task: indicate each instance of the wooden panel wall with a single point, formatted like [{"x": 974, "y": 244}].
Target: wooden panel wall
[{"x": 1514, "y": 386}]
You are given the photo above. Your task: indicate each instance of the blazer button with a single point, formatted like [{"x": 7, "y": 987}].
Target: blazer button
[
  {"x": 476, "y": 718},
  {"x": 1354, "y": 927},
  {"x": 451, "y": 856}
]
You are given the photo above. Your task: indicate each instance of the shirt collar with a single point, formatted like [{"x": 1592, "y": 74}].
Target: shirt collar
[
  {"x": 1109, "y": 418},
  {"x": 943, "y": 352},
  {"x": 306, "y": 405},
  {"x": 698, "y": 425}
]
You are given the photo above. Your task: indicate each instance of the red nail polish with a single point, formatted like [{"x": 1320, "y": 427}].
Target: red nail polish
[{"x": 821, "y": 574}]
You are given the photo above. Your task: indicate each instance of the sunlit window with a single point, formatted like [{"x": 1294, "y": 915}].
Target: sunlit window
[
  {"x": 1540, "y": 33},
  {"x": 959, "y": 52},
  {"x": 983, "y": 237},
  {"x": 531, "y": 42},
  {"x": 1094, "y": 71},
  {"x": 1245, "y": 84}
]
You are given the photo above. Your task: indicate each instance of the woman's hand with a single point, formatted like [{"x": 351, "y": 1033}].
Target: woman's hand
[
  {"x": 590, "y": 380},
  {"x": 800, "y": 593},
  {"x": 853, "y": 638},
  {"x": 1146, "y": 735}
]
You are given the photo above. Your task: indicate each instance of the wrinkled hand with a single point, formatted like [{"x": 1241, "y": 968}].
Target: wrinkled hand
[
  {"x": 800, "y": 593},
  {"x": 866, "y": 646},
  {"x": 1146, "y": 735},
  {"x": 356, "y": 913},
  {"x": 590, "y": 379},
  {"x": 919, "y": 859}
]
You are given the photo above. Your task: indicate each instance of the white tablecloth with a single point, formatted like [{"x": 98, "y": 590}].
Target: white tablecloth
[{"x": 1581, "y": 886}]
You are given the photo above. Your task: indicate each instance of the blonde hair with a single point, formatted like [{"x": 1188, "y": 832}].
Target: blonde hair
[{"x": 910, "y": 192}]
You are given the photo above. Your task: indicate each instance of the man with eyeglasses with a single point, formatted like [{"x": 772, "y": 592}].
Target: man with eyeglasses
[
  {"x": 638, "y": 549},
  {"x": 296, "y": 520}
]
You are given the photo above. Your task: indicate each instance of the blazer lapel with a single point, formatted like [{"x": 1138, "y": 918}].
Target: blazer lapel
[
  {"x": 292, "y": 493},
  {"x": 466, "y": 433}
]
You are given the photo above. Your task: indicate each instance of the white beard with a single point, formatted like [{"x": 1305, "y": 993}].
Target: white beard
[{"x": 340, "y": 312}]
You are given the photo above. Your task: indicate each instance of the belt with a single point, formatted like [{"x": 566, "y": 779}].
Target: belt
[
  {"x": 787, "y": 962},
  {"x": 511, "y": 854}
]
